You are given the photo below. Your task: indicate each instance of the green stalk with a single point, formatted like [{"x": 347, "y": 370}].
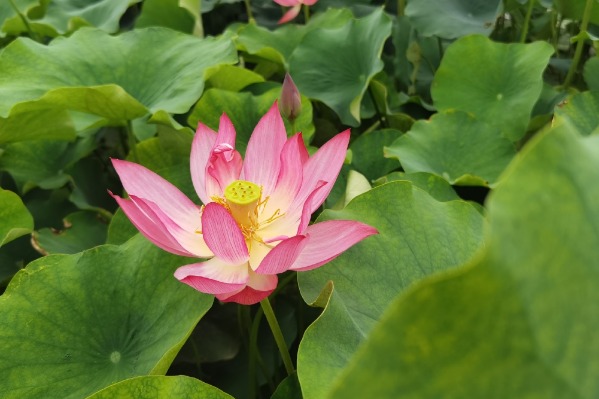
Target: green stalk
[
  {"x": 580, "y": 44},
  {"x": 248, "y": 10},
  {"x": 276, "y": 332},
  {"x": 306, "y": 14},
  {"x": 401, "y": 6},
  {"x": 531, "y": 4}
]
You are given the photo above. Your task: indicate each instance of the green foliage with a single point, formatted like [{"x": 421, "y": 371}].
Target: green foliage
[
  {"x": 116, "y": 306},
  {"x": 454, "y": 18},
  {"x": 486, "y": 79},
  {"x": 518, "y": 321},
  {"x": 426, "y": 236},
  {"x": 358, "y": 46},
  {"x": 158, "y": 387},
  {"x": 16, "y": 220}
]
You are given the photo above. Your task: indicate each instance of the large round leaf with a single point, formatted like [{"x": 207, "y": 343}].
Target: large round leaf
[
  {"x": 161, "y": 387},
  {"x": 340, "y": 81},
  {"x": 15, "y": 219},
  {"x": 453, "y": 18},
  {"x": 417, "y": 236},
  {"x": 73, "y": 324},
  {"x": 117, "y": 77},
  {"x": 495, "y": 82},
  {"x": 521, "y": 321},
  {"x": 455, "y": 146}
]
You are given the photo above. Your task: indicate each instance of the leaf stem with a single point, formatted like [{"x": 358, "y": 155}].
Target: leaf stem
[
  {"x": 401, "y": 6},
  {"x": 376, "y": 107},
  {"x": 306, "y": 14},
  {"x": 278, "y": 334},
  {"x": 580, "y": 44},
  {"x": 524, "y": 33},
  {"x": 248, "y": 10}
]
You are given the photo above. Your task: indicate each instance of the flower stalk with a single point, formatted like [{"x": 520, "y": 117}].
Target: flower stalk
[
  {"x": 588, "y": 8},
  {"x": 278, "y": 335}
]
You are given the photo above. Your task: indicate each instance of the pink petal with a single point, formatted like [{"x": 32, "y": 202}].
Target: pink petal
[
  {"x": 222, "y": 169},
  {"x": 259, "y": 287},
  {"x": 307, "y": 209},
  {"x": 281, "y": 257},
  {"x": 191, "y": 241},
  {"x": 214, "y": 276},
  {"x": 290, "y": 14},
  {"x": 329, "y": 239},
  {"x": 151, "y": 227},
  {"x": 222, "y": 235},
  {"x": 263, "y": 155},
  {"x": 290, "y": 177},
  {"x": 147, "y": 185},
  {"x": 324, "y": 165},
  {"x": 201, "y": 147},
  {"x": 309, "y": 2}
]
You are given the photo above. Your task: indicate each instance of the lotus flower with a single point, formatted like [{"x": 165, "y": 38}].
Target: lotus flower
[
  {"x": 254, "y": 221},
  {"x": 296, "y": 6}
]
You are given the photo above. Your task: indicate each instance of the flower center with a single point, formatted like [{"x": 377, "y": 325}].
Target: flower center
[{"x": 242, "y": 198}]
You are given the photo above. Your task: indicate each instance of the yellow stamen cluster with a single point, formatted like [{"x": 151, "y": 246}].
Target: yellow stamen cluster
[{"x": 244, "y": 202}]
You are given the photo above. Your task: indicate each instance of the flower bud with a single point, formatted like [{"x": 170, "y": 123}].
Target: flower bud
[{"x": 290, "y": 104}]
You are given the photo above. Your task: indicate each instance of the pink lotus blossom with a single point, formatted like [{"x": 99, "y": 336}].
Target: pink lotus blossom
[
  {"x": 296, "y": 6},
  {"x": 254, "y": 221}
]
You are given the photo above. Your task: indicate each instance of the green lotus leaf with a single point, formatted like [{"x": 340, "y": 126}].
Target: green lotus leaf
[
  {"x": 15, "y": 219},
  {"x": 167, "y": 13},
  {"x": 435, "y": 186},
  {"x": 574, "y": 9},
  {"x": 10, "y": 20},
  {"x": 520, "y": 320},
  {"x": 496, "y": 83},
  {"x": 160, "y": 387},
  {"x": 64, "y": 16},
  {"x": 233, "y": 78},
  {"x": 82, "y": 230},
  {"x": 83, "y": 322},
  {"x": 277, "y": 45},
  {"x": 341, "y": 81},
  {"x": 43, "y": 162},
  {"x": 581, "y": 111},
  {"x": 451, "y": 19},
  {"x": 591, "y": 73},
  {"x": 417, "y": 236},
  {"x": 28, "y": 122},
  {"x": 367, "y": 153},
  {"x": 455, "y": 146},
  {"x": 117, "y": 77}
]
